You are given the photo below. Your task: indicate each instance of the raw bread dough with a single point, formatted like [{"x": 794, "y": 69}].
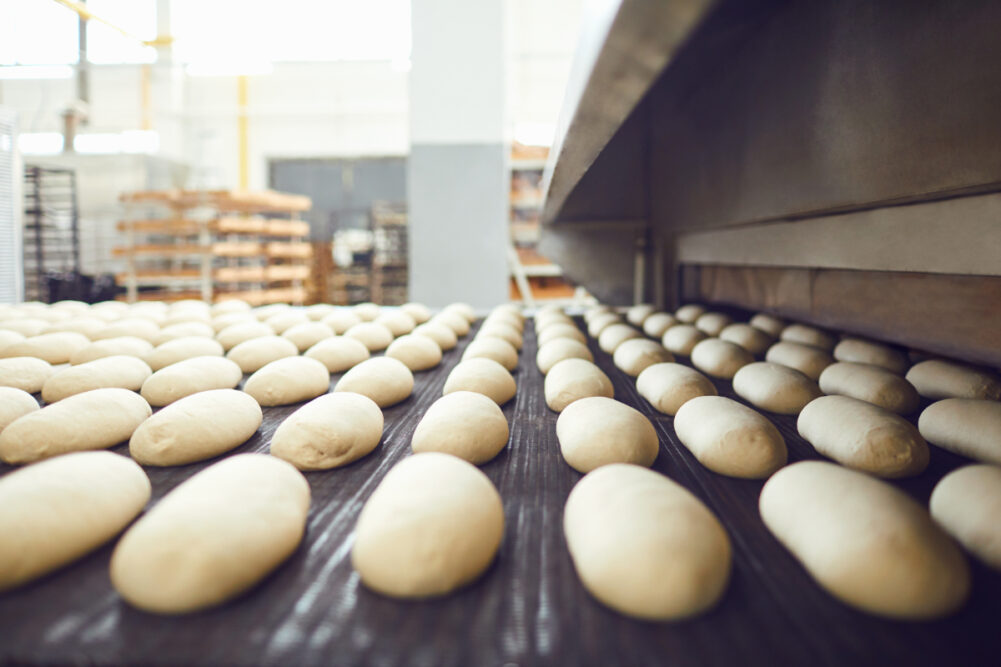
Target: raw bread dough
[
  {"x": 398, "y": 322},
  {"x": 88, "y": 326},
  {"x": 55, "y": 348},
  {"x": 288, "y": 380},
  {"x": 602, "y": 321},
  {"x": 328, "y": 432},
  {"x": 367, "y": 311},
  {"x": 282, "y": 322},
  {"x": 130, "y": 326},
  {"x": 644, "y": 545},
  {"x": 25, "y": 373},
  {"x": 668, "y": 386},
  {"x": 503, "y": 330},
  {"x": 806, "y": 335},
  {"x": 874, "y": 354},
  {"x": 616, "y": 334},
  {"x": 254, "y": 354},
  {"x": 117, "y": 371},
  {"x": 636, "y": 315},
  {"x": 489, "y": 347},
  {"x": 770, "y": 324},
  {"x": 417, "y": 352},
  {"x": 432, "y": 525},
  {"x": 712, "y": 324},
  {"x": 730, "y": 438},
  {"x": 109, "y": 347},
  {"x": 9, "y": 338},
  {"x": 966, "y": 503},
  {"x": 341, "y": 320},
  {"x": 720, "y": 358},
  {"x": 439, "y": 333},
  {"x": 595, "y": 311},
  {"x": 189, "y": 377},
  {"x": 228, "y": 320},
  {"x": 180, "y": 349},
  {"x": 681, "y": 339},
  {"x": 863, "y": 436},
  {"x": 373, "y": 335},
  {"x": 872, "y": 384},
  {"x": 183, "y": 330},
  {"x": 216, "y": 535},
  {"x": 462, "y": 309},
  {"x": 339, "y": 353},
  {"x": 573, "y": 379},
  {"x": 688, "y": 313},
  {"x": 94, "y": 419},
  {"x": 307, "y": 334},
  {"x": 30, "y": 326},
  {"x": 417, "y": 311},
  {"x": 385, "y": 380},
  {"x": 560, "y": 330},
  {"x": 262, "y": 313},
  {"x": 454, "y": 321},
  {"x": 559, "y": 349},
  {"x": 774, "y": 387},
  {"x": 484, "y": 376},
  {"x": 750, "y": 338},
  {"x": 545, "y": 320},
  {"x": 808, "y": 360},
  {"x": 464, "y": 424},
  {"x": 967, "y": 426},
  {"x": 657, "y": 324},
  {"x": 318, "y": 311},
  {"x": 867, "y": 543},
  {"x": 54, "y": 512},
  {"x": 14, "y": 403},
  {"x": 229, "y": 306},
  {"x": 635, "y": 355},
  {"x": 195, "y": 428},
  {"x": 241, "y": 332},
  {"x": 597, "y": 431},
  {"x": 937, "y": 378}
]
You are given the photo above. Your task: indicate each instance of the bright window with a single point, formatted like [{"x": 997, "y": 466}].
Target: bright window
[
  {"x": 37, "y": 32},
  {"x": 105, "y": 45}
]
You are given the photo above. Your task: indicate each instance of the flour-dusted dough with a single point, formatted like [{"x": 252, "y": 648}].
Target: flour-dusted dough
[
  {"x": 229, "y": 306},
  {"x": 558, "y": 349},
  {"x": 318, "y": 311},
  {"x": 547, "y": 319},
  {"x": 688, "y": 313},
  {"x": 189, "y": 377},
  {"x": 289, "y": 380},
  {"x": 109, "y": 347},
  {"x": 574, "y": 379},
  {"x": 95, "y": 419},
  {"x": 131, "y": 326},
  {"x": 180, "y": 349},
  {"x": 871, "y": 384},
  {"x": 25, "y": 373},
  {"x": 55, "y": 348},
  {"x": 867, "y": 543},
  {"x": 307, "y": 334},
  {"x": 503, "y": 330},
  {"x": 750, "y": 338},
  {"x": 238, "y": 333},
  {"x": 9, "y": 337},
  {"x": 116, "y": 371},
  {"x": 872, "y": 353},
  {"x": 367, "y": 311},
  {"x": 636, "y": 315},
  {"x": 282, "y": 322},
  {"x": 254, "y": 354},
  {"x": 462, "y": 309},
  {"x": 635, "y": 355},
  {"x": 88, "y": 326},
  {"x": 484, "y": 376},
  {"x": 863, "y": 436},
  {"x": 720, "y": 358},
  {"x": 597, "y": 431},
  {"x": 432, "y": 525},
  {"x": 454, "y": 321},
  {"x": 263, "y": 313},
  {"x": 644, "y": 545},
  {"x": 967, "y": 426},
  {"x": 385, "y": 380},
  {"x": 195, "y": 428},
  {"x": 339, "y": 353},
  {"x": 373, "y": 335},
  {"x": 730, "y": 438},
  {"x": 398, "y": 322},
  {"x": 216, "y": 535},
  {"x": 681, "y": 339},
  {"x": 658, "y": 323},
  {"x": 600, "y": 322},
  {"x": 770, "y": 324},
  {"x": 489, "y": 347},
  {"x": 560, "y": 330},
  {"x": 614, "y": 335},
  {"x": 668, "y": 386},
  {"x": 937, "y": 379},
  {"x": 966, "y": 503},
  {"x": 418, "y": 311},
  {"x": 328, "y": 432},
  {"x": 14, "y": 403},
  {"x": 439, "y": 333},
  {"x": 25, "y": 327},
  {"x": 223, "y": 321},
  {"x": 56, "y": 511},
  {"x": 417, "y": 352},
  {"x": 596, "y": 311},
  {"x": 466, "y": 424},
  {"x": 183, "y": 330},
  {"x": 807, "y": 335},
  {"x": 341, "y": 320},
  {"x": 774, "y": 387},
  {"x": 712, "y": 324},
  {"x": 808, "y": 360}
]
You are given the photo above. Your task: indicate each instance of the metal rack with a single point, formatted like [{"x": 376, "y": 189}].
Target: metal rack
[
  {"x": 51, "y": 237},
  {"x": 389, "y": 253}
]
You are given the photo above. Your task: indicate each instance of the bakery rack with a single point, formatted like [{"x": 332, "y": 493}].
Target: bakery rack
[{"x": 51, "y": 237}]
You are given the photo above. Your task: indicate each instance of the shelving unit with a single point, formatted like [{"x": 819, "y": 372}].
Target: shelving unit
[
  {"x": 389, "y": 254},
  {"x": 212, "y": 244},
  {"x": 51, "y": 237}
]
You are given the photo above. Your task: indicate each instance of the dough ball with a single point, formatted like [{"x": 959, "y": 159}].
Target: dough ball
[
  {"x": 88, "y": 326},
  {"x": 808, "y": 360},
  {"x": 635, "y": 355},
  {"x": 339, "y": 353},
  {"x": 668, "y": 386},
  {"x": 282, "y": 322},
  {"x": 9, "y": 337},
  {"x": 712, "y": 324},
  {"x": 865, "y": 542},
  {"x": 195, "y": 428},
  {"x": 229, "y": 306},
  {"x": 123, "y": 345},
  {"x": 307, "y": 334},
  {"x": 559, "y": 349},
  {"x": 770, "y": 324},
  {"x": 262, "y": 313},
  {"x": 254, "y": 354},
  {"x": 288, "y": 380},
  {"x": 189, "y": 377},
  {"x": 318, "y": 311},
  {"x": 131, "y": 326},
  {"x": 874, "y": 354},
  {"x": 502, "y": 330},
  {"x": 341, "y": 320},
  {"x": 730, "y": 438},
  {"x": 681, "y": 339},
  {"x": 367, "y": 312},
  {"x": 597, "y": 431},
  {"x": 55, "y": 348},
  {"x": 871, "y": 384},
  {"x": 418, "y": 353},
  {"x": 807, "y": 335},
  {"x": 545, "y": 320},
  {"x": 483, "y": 376},
  {"x": 966, "y": 426},
  {"x": 863, "y": 436},
  {"x": 417, "y": 311},
  {"x": 644, "y": 545},
  {"x": 222, "y": 321},
  {"x": 573, "y": 379},
  {"x": 385, "y": 380},
  {"x": 117, "y": 371},
  {"x": 600, "y": 322},
  {"x": 720, "y": 358},
  {"x": 561, "y": 330},
  {"x": 14, "y": 403},
  {"x": 636, "y": 315},
  {"x": 25, "y": 373},
  {"x": 398, "y": 322},
  {"x": 328, "y": 432},
  {"x": 462, "y": 309},
  {"x": 751, "y": 339},
  {"x": 936, "y": 379},
  {"x": 658, "y": 323},
  {"x": 373, "y": 335},
  {"x": 774, "y": 387},
  {"x": 454, "y": 321},
  {"x": 439, "y": 333},
  {"x": 594, "y": 311},
  {"x": 488, "y": 347},
  {"x": 614, "y": 335},
  {"x": 213, "y": 537},
  {"x": 464, "y": 424},
  {"x": 433, "y": 525},
  {"x": 30, "y": 326},
  {"x": 966, "y": 503},
  {"x": 235, "y": 334},
  {"x": 180, "y": 349},
  {"x": 183, "y": 330},
  {"x": 690, "y": 312}
]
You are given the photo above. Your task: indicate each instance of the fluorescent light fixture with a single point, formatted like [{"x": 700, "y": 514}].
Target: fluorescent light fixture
[
  {"x": 240, "y": 67},
  {"x": 36, "y": 72},
  {"x": 535, "y": 134},
  {"x": 40, "y": 143}
]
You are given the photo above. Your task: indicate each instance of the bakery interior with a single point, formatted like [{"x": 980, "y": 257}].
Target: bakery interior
[{"x": 507, "y": 332}]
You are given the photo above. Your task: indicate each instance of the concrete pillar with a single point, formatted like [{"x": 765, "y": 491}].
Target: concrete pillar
[{"x": 457, "y": 175}]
